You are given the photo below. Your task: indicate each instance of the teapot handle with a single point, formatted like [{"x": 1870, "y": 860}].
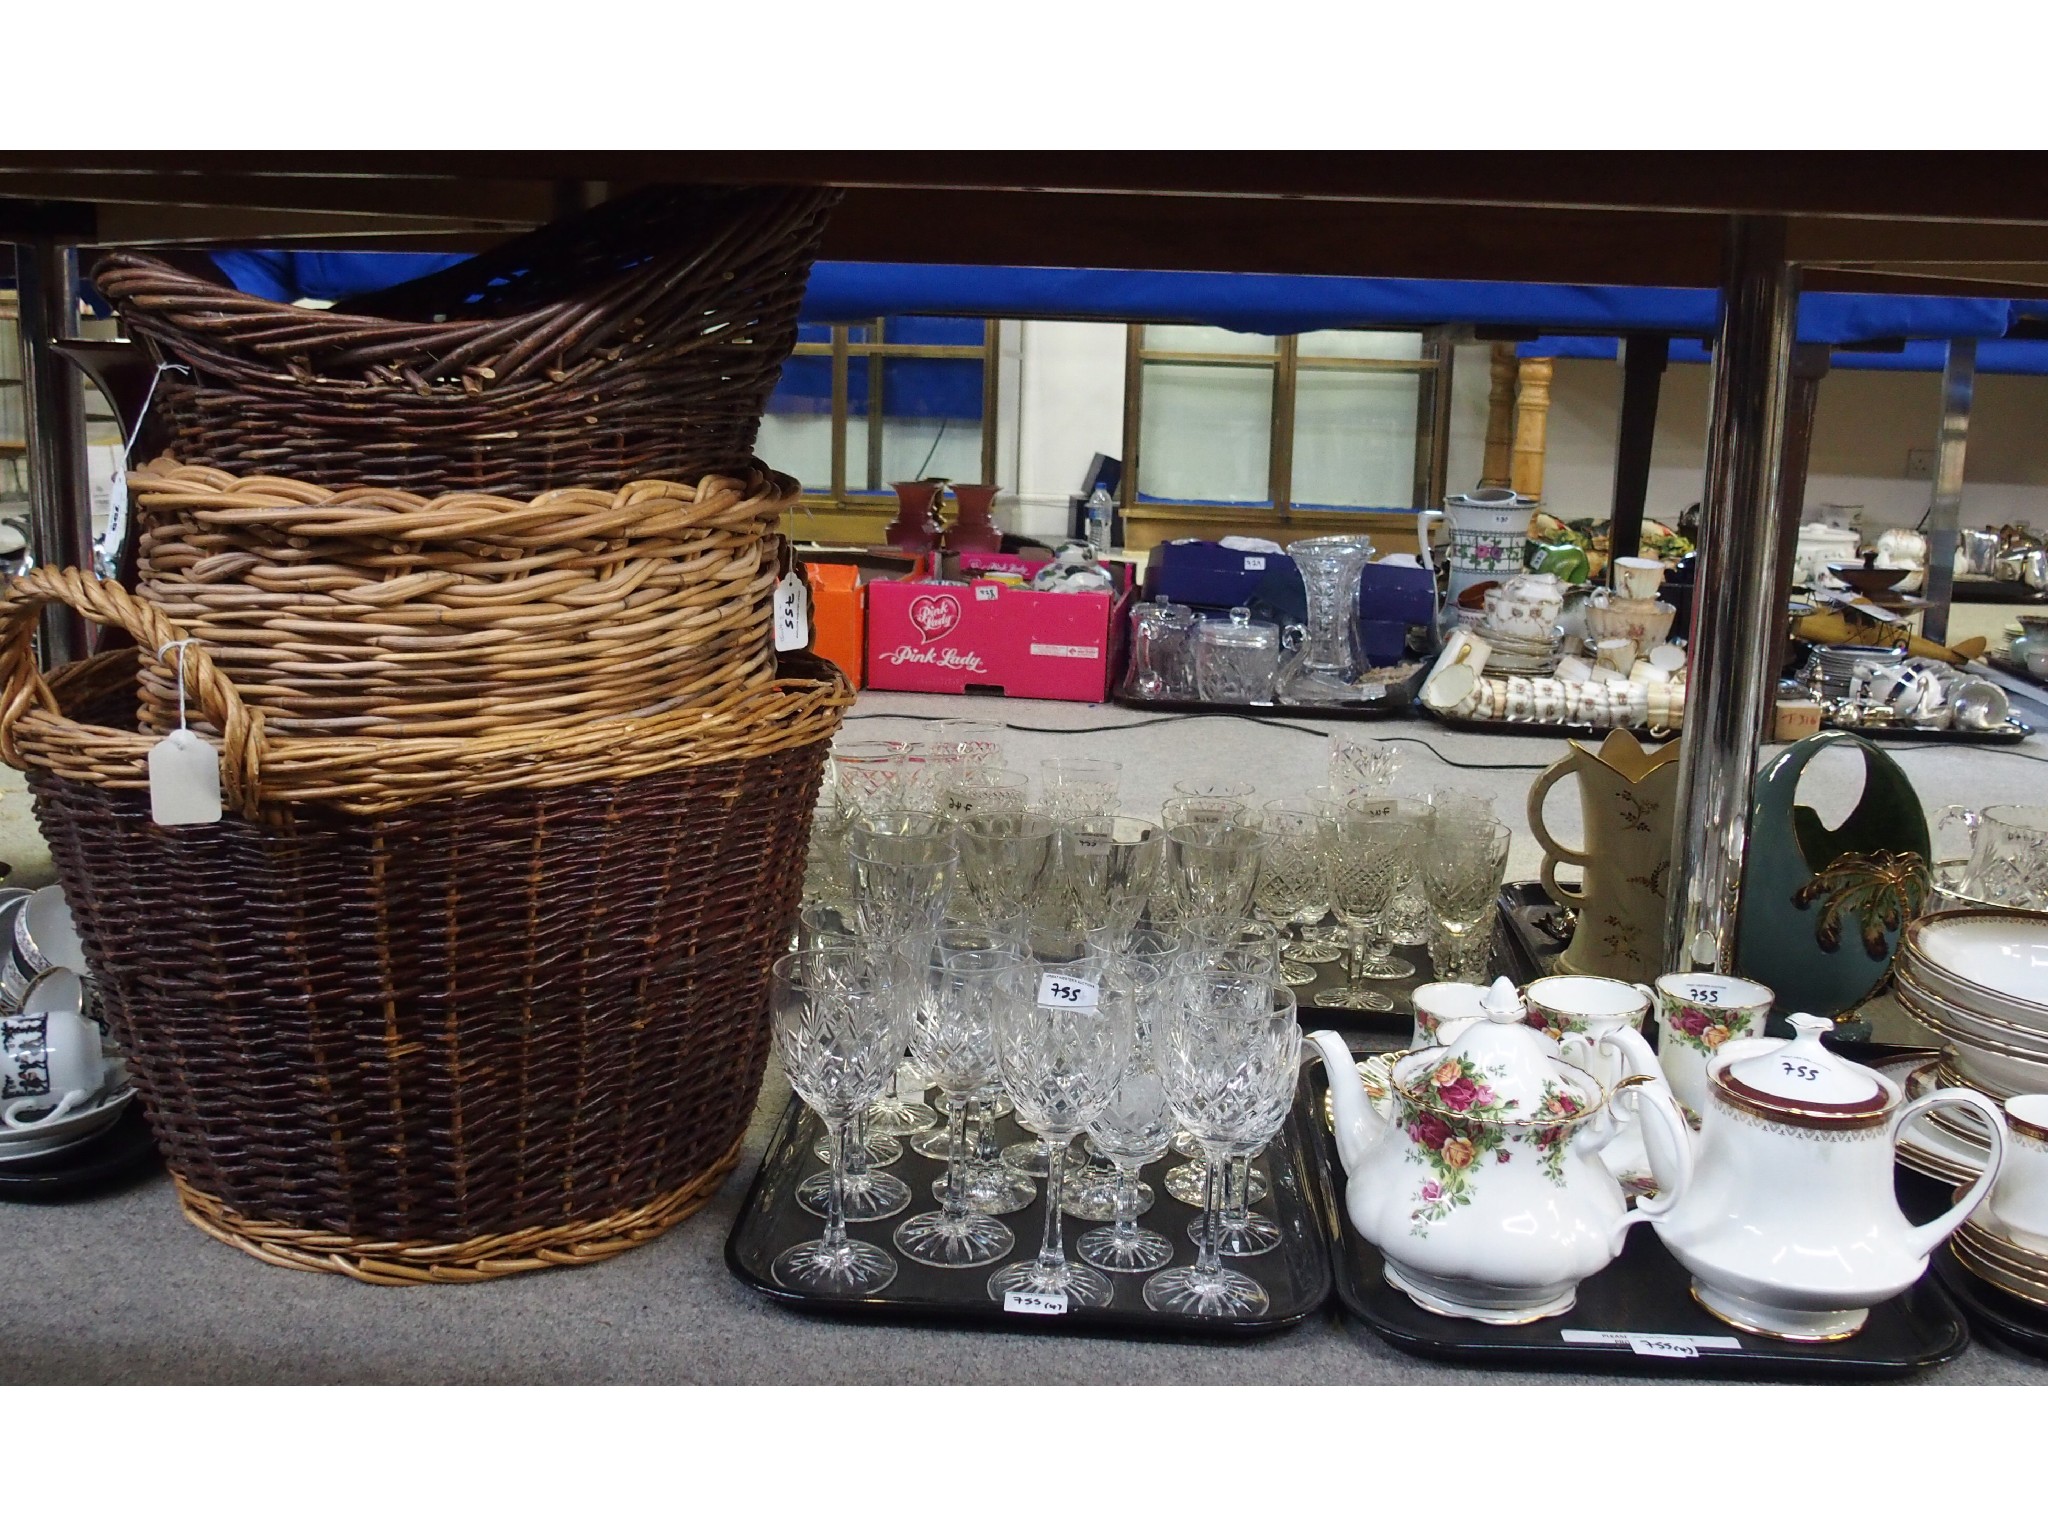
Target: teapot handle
[
  {"x": 1669, "y": 1143},
  {"x": 1930, "y": 1235},
  {"x": 1554, "y": 852}
]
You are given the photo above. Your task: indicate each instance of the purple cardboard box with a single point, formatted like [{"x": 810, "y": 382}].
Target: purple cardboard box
[{"x": 1404, "y": 594}]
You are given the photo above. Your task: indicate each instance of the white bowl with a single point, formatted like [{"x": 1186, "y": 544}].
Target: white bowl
[{"x": 1994, "y": 962}]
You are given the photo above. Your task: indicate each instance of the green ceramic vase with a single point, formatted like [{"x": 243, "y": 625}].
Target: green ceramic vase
[{"x": 1823, "y": 911}]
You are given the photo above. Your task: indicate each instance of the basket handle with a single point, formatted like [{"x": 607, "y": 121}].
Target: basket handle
[{"x": 212, "y": 695}]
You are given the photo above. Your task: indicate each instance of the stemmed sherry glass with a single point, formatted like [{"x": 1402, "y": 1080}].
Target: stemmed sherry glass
[{"x": 1370, "y": 846}]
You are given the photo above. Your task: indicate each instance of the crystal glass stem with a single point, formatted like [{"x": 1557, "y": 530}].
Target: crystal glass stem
[
  {"x": 1208, "y": 1252},
  {"x": 1052, "y": 1252},
  {"x": 955, "y": 1202},
  {"x": 1126, "y": 1197},
  {"x": 835, "y": 1237}
]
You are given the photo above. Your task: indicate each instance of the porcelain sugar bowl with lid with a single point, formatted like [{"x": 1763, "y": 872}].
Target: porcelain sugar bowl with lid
[
  {"x": 1790, "y": 1228},
  {"x": 1477, "y": 1174}
]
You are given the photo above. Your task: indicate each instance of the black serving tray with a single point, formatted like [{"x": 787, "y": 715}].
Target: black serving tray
[
  {"x": 121, "y": 1154},
  {"x": 1510, "y": 959},
  {"x": 1397, "y": 704},
  {"x": 1296, "y": 1275},
  {"x": 1561, "y": 730},
  {"x": 1644, "y": 1292}
]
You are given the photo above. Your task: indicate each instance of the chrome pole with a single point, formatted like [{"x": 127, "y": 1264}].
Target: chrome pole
[
  {"x": 1945, "y": 511},
  {"x": 60, "y": 504},
  {"x": 1739, "y": 596}
]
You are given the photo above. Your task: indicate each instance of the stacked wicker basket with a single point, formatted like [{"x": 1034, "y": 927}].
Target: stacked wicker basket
[{"x": 471, "y": 977}]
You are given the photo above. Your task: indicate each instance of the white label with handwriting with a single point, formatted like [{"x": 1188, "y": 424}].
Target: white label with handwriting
[
  {"x": 1255, "y": 562},
  {"x": 1066, "y": 992},
  {"x": 184, "y": 780},
  {"x": 1660, "y": 1346},
  {"x": 792, "y": 621},
  {"x": 1036, "y": 1303}
]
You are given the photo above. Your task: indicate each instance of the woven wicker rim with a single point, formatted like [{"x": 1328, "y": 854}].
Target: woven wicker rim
[
  {"x": 384, "y": 613},
  {"x": 478, "y": 1258},
  {"x": 262, "y": 777}
]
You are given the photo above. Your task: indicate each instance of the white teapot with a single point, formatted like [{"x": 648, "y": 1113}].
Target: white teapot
[
  {"x": 1477, "y": 1175},
  {"x": 1790, "y": 1228}
]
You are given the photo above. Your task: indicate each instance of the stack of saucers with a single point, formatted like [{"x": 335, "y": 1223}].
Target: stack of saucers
[
  {"x": 1980, "y": 981},
  {"x": 1512, "y": 656},
  {"x": 1988, "y": 1249}
]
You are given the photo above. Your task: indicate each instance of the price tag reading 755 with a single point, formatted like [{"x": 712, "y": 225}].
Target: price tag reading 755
[{"x": 1066, "y": 992}]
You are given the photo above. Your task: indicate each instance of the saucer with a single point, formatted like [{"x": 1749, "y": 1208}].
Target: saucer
[
  {"x": 41, "y": 1136},
  {"x": 1925, "y": 1146}
]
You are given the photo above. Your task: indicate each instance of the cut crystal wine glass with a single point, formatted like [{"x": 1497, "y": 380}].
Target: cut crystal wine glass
[
  {"x": 1370, "y": 846},
  {"x": 1228, "y": 1057},
  {"x": 1063, "y": 1054},
  {"x": 840, "y": 1027}
]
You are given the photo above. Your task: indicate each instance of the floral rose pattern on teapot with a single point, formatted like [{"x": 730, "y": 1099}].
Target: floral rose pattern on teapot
[
  {"x": 1449, "y": 1135},
  {"x": 1564, "y": 1108}
]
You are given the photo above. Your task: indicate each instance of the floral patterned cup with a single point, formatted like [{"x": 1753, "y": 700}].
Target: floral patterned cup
[
  {"x": 1572, "y": 1005},
  {"x": 1697, "y": 1014}
]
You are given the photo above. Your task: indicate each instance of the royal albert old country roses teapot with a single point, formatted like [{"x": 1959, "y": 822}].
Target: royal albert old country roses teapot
[
  {"x": 1790, "y": 1228},
  {"x": 1478, "y": 1175}
]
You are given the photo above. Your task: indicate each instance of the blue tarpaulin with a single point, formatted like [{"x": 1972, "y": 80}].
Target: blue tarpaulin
[{"x": 1993, "y": 356}]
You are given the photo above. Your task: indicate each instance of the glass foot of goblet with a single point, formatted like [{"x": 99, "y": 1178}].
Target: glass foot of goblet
[
  {"x": 1185, "y": 1145},
  {"x": 1206, "y": 1293},
  {"x": 1387, "y": 967},
  {"x": 954, "y": 1242},
  {"x": 1082, "y": 1287},
  {"x": 1359, "y": 999},
  {"x": 900, "y": 1117},
  {"x": 1125, "y": 1250},
  {"x": 1296, "y": 974},
  {"x": 869, "y": 1196},
  {"x": 1184, "y": 1183},
  {"x": 1089, "y": 1194},
  {"x": 854, "y": 1269},
  {"x": 882, "y": 1150},
  {"x": 1312, "y": 951},
  {"x": 1240, "y": 1238},
  {"x": 1029, "y": 1157},
  {"x": 993, "y": 1191}
]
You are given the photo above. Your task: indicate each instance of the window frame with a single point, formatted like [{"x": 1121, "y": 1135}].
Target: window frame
[
  {"x": 842, "y": 349},
  {"x": 1432, "y": 427}
]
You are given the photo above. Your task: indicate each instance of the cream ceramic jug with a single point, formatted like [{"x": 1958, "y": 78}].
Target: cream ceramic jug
[{"x": 1627, "y": 794}]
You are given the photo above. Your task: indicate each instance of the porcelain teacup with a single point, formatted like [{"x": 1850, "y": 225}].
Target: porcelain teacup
[
  {"x": 1638, "y": 579},
  {"x": 1440, "y": 1003},
  {"x": 1574, "y": 1005},
  {"x": 47, "y": 1061},
  {"x": 2020, "y": 1197},
  {"x": 1697, "y": 1014}
]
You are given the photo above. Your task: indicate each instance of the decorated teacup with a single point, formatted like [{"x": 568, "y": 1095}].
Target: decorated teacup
[
  {"x": 2020, "y": 1197},
  {"x": 1697, "y": 1014}
]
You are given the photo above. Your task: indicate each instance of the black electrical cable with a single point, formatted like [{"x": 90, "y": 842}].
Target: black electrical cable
[{"x": 1422, "y": 742}]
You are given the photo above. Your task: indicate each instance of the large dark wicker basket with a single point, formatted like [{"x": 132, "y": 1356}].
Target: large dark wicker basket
[
  {"x": 637, "y": 341},
  {"x": 461, "y": 1037}
]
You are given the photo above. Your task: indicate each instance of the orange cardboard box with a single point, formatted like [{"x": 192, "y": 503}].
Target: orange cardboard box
[{"x": 838, "y": 621}]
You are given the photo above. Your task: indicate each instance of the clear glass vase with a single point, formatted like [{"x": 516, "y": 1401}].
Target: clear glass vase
[{"x": 1331, "y": 569}]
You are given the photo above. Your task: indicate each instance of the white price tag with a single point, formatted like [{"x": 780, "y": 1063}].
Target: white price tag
[
  {"x": 1255, "y": 562},
  {"x": 986, "y": 593},
  {"x": 184, "y": 780},
  {"x": 1662, "y": 1348},
  {"x": 1036, "y": 1303},
  {"x": 1665, "y": 1346},
  {"x": 1066, "y": 992},
  {"x": 792, "y": 614},
  {"x": 117, "y": 524}
]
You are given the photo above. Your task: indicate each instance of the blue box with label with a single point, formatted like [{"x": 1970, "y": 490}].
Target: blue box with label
[
  {"x": 1401, "y": 594},
  {"x": 1204, "y": 574}
]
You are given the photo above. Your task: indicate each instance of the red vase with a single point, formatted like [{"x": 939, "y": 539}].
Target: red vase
[
  {"x": 917, "y": 525},
  {"x": 974, "y": 529}
]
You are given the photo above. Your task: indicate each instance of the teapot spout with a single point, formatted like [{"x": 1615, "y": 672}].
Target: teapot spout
[{"x": 1359, "y": 1123}]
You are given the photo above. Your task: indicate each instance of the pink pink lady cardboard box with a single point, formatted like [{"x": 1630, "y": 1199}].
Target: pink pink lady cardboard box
[{"x": 989, "y": 637}]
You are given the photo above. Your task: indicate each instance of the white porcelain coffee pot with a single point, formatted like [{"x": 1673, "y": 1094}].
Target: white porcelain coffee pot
[
  {"x": 1477, "y": 1175},
  {"x": 1790, "y": 1228}
]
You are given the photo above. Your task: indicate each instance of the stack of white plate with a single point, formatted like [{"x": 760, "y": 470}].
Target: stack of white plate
[
  {"x": 1980, "y": 981},
  {"x": 1837, "y": 664},
  {"x": 95, "y": 1117},
  {"x": 1987, "y": 1250}
]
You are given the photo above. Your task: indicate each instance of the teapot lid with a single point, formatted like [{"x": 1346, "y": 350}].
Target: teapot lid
[
  {"x": 1801, "y": 1080},
  {"x": 1498, "y": 1068}
]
